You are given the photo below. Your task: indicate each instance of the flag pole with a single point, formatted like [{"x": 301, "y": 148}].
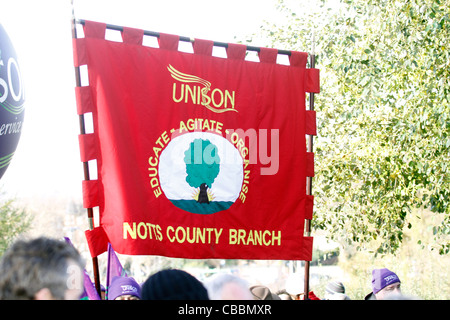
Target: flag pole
[
  {"x": 312, "y": 63},
  {"x": 90, "y": 212},
  {"x": 184, "y": 38}
]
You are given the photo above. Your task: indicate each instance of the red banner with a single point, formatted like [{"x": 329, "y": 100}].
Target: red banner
[{"x": 198, "y": 156}]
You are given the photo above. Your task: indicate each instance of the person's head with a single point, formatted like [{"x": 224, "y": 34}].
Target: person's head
[
  {"x": 41, "y": 269},
  {"x": 263, "y": 293},
  {"x": 124, "y": 288},
  {"x": 283, "y": 294},
  {"x": 224, "y": 286},
  {"x": 385, "y": 283},
  {"x": 335, "y": 290},
  {"x": 173, "y": 284}
]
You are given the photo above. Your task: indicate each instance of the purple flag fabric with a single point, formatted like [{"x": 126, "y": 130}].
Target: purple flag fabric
[
  {"x": 114, "y": 268},
  {"x": 90, "y": 293}
]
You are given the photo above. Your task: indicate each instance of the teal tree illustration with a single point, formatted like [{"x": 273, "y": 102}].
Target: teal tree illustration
[{"x": 202, "y": 166}]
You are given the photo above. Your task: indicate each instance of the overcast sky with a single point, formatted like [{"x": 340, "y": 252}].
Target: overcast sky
[{"x": 46, "y": 162}]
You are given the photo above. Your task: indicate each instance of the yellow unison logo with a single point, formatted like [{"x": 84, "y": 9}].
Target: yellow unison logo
[{"x": 198, "y": 91}]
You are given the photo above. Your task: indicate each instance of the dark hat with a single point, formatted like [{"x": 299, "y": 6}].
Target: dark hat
[
  {"x": 334, "y": 287},
  {"x": 263, "y": 293},
  {"x": 335, "y": 290},
  {"x": 173, "y": 284}
]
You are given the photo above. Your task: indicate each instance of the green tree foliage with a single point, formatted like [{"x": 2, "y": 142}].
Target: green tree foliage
[
  {"x": 202, "y": 166},
  {"x": 13, "y": 221},
  {"x": 383, "y": 114}
]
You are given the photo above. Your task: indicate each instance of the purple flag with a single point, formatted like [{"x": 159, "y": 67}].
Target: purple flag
[
  {"x": 90, "y": 293},
  {"x": 114, "y": 268}
]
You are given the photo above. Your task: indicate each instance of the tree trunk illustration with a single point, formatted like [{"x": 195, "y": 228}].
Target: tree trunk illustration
[{"x": 203, "y": 195}]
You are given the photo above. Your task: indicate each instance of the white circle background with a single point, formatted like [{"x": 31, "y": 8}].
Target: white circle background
[{"x": 172, "y": 168}]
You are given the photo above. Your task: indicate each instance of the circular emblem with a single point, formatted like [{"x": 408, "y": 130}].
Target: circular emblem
[
  {"x": 11, "y": 101},
  {"x": 201, "y": 172}
]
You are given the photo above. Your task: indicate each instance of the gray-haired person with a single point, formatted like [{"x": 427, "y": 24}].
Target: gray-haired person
[
  {"x": 224, "y": 286},
  {"x": 41, "y": 269}
]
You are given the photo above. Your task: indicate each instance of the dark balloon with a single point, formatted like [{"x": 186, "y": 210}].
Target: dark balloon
[{"x": 12, "y": 101}]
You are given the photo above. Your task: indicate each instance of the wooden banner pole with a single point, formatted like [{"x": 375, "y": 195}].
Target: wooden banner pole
[{"x": 90, "y": 211}]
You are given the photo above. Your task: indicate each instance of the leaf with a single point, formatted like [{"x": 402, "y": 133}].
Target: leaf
[{"x": 383, "y": 115}]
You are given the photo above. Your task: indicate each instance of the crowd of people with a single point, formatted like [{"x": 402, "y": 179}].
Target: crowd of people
[{"x": 50, "y": 269}]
